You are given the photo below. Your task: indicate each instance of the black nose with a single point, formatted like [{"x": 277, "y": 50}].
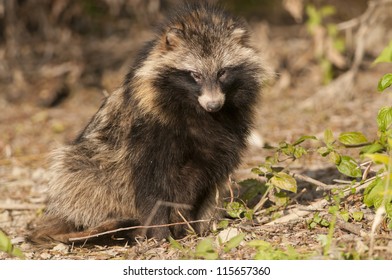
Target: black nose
[{"x": 213, "y": 106}]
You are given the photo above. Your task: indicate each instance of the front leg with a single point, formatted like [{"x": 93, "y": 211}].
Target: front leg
[
  {"x": 154, "y": 219},
  {"x": 166, "y": 213}
]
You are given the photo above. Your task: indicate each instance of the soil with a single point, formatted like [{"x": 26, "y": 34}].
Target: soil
[{"x": 293, "y": 105}]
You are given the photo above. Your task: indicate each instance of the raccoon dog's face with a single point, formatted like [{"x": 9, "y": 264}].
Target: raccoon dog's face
[{"x": 203, "y": 60}]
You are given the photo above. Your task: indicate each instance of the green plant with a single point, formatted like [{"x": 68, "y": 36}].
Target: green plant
[
  {"x": 266, "y": 251},
  {"x": 379, "y": 193},
  {"x": 6, "y": 246},
  {"x": 208, "y": 248},
  {"x": 379, "y": 151},
  {"x": 329, "y": 45},
  {"x": 385, "y": 56}
]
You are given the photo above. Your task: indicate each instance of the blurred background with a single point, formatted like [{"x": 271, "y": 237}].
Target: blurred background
[{"x": 59, "y": 57}]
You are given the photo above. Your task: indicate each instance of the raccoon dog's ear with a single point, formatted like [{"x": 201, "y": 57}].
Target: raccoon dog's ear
[
  {"x": 239, "y": 33},
  {"x": 173, "y": 37}
]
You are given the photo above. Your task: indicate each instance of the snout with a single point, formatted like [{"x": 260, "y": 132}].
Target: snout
[{"x": 212, "y": 101}]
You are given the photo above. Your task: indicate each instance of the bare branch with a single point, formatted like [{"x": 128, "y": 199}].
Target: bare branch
[{"x": 134, "y": 227}]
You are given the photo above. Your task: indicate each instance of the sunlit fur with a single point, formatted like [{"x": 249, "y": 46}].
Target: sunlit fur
[{"x": 153, "y": 139}]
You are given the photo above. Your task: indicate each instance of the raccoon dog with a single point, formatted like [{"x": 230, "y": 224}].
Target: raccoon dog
[{"x": 172, "y": 133}]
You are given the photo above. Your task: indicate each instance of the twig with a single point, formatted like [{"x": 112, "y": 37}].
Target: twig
[
  {"x": 134, "y": 227},
  {"x": 339, "y": 181},
  {"x": 156, "y": 207},
  {"x": 309, "y": 180},
  {"x": 230, "y": 190},
  {"x": 376, "y": 222},
  {"x": 297, "y": 213},
  {"x": 351, "y": 228},
  {"x": 262, "y": 200},
  {"x": 366, "y": 171},
  {"x": 320, "y": 185},
  {"x": 358, "y": 20},
  {"x": 186, "y": 221}
]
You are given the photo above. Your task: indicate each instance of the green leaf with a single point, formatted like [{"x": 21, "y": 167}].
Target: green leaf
[
  {"x": 386, "y": 54},
  {"x": 234, "y": 242},
  {"x": 384, "y": 118},
  {"x": 352, "y": 138},
  {"x": 280, "y": 198},
  {"x": 7, "y": 247},
  {"x": 284, "y": 181},
  {"x": 323, "y": 151},
  {"x": 5, "y": 243},
  {"x": 325, "y": 223},
  {"x": 333, "y": 209},
  {"x": 235, "y": 209},
  {"x": 317, "y": 218},
  {"x": 257, "y": 171},
  {"x": 372, "y": 148},
  {"x": 388, "y": 210},
  {"x": 223, "y": 224},
  {"x": 303, "y": 138},
  {"x": 385, "y": 82},
  {"x": 249, "y": 214},
  {"x": 287, "y": 149},
  {"x": 258, "y": 243},
  {"x": 357, "y": 216},
  {"x": 374, "y": 194},
  {"x": 335, "y": 157},
  {"x": 252, "y": 188},
  {"x": 378, "y": 158},
  {"x": 312, "y": 225},
  {"x": 349, "y": 167},
  {"x": 370, "y": 188},
  {"x": 314, "y": 18},
  {"x": 328, "y": 137},
  {"x": 299, "y": 152},
  {"x": 345, "y": 215},
  {"x": 175, "y": 244},
  {"x": 327, "y": 10},
  {"x": 205, "y": 249}
]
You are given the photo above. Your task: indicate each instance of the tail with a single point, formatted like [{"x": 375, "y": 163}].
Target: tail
[{"x": 54, "y": 230}]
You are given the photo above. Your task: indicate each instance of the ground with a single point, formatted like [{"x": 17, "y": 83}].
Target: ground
[{"x": 292, "y": 105}]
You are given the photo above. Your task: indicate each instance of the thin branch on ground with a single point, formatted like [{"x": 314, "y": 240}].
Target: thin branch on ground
[
  {"x": 155, "y": 209},
  {"x": 351, "y": 228},
  {"x": 186, "y": 221},
  {"x": 310, "y": 180},
  {"x": 134, "y": 227}
]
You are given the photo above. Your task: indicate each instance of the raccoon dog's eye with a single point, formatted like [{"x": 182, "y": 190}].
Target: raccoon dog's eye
[
  {"x": 196, "y": 76},
  {"x": 222, "y": 74}
]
